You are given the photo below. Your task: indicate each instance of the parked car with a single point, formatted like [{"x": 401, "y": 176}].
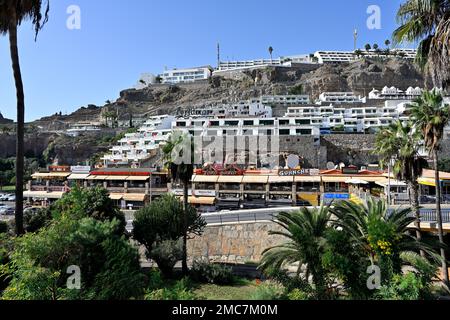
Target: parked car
[
  {"x": 4, "y": 197},
  {"x": 6, "y": 210},
  {"x": 9, "y": 212},
  {"x": 12, "y": 198}
]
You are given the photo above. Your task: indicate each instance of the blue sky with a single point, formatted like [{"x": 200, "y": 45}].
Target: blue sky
[{"x": 118, "y": 40}]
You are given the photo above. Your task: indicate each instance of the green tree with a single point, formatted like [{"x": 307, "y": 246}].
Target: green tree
[
  {"x": 400, "y": 143},
  {"x": 164, "y": 221},
  {"x": 305, "y": 230},
  {"x": 431, "y": 115},
  {"x": 428, "y": 23},
  {"x": 382, "y": 235},
  {"x": 368, "y": 47},
  {"x": 12, "y": 14},
  {"x": 179, "y": 159},
  {"x": 387, "y": 43}
]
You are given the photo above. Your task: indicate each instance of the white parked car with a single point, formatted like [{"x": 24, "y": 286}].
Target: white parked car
[
  {"x": 4, "y": 197},
  {"x": 11, "y": 198}
]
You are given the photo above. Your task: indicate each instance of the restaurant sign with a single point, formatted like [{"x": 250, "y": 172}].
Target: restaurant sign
[{"x": 298, "y": 172}]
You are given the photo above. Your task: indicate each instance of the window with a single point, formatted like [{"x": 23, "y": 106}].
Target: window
[{"x": 284, "y": 132}]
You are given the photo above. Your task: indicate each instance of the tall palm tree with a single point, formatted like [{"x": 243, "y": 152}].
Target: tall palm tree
[
  {"x": 178, "y": 157},
  {"x": 12, "y": 14},
  {"x": 306, "y": 231},
  {"x": 400, "y": 143},
  {"x": 427, "y": 22},
  {"x": 381, "y": 234},
  {"x": 431, "y": 116},
  {"x": 270, "y": 52}
]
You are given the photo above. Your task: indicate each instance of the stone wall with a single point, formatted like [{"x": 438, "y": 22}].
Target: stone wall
[{"x": 235, "y": 243}]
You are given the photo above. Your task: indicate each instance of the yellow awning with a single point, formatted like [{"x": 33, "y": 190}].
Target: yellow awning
[
  {"x": 255, "y": 179},
  {"x": 134, "y": 197},
  {"x": 335, "y": 179},
  {"x": 205, "y": 179},
  {"x": 43, "y": 195},
  {"x": 427, "y": 182},
  {"x": 78, "y": 176},
  {"x": 230, "y": 179},
  {"x": 277, "y": 179},
  {"x": 49, "y": 175},
  {"x": 115, "y": 196},
  {"x": 307, "y": 179},
  {"x": 116, "y": 178},
  {"x": 138, "y": 178}
]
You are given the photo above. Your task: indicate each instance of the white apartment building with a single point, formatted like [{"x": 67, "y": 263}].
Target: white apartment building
[
  {"x": 349, "y": 56},
  {"x": 286, "y": 100},
  {"x": 247, "y": 64},
  {"x": 394, "y": 93},
  {"x": 78, "y": 128},
  {"x": 247, "y": 127},
  {"x": 142, "y": 145},
  {"x": 175, "y": 76},
  {"x": 339, "y": 98}
]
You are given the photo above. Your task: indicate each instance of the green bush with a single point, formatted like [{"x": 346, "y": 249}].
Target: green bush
[
  {"x": 298, "y": 294},
  {"x": 166, "y": 254},
  {"x": 181, "y": 290},
  {"x": 35, "y": 221},
  {"x": 204, "y": 271},
  {"x": 269, "y": 290}
]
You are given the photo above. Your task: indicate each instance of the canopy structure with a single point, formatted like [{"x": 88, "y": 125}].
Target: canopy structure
[
  {"x": 78, "y": 176},
  {"x": 50, "y": 175},
  {"x": 205, "y": 179},
  {"x": 200, "y": 200},
  {"x": 134, "y": 197},
  {"x": 278, "y": 179},
  {"x": 356, "y": 181},
  {"x": 43, "y": 195},
  {"x": 138, "y": 178},
  {"x": 116, "y": 178},
  {"x": 115, "y": 196},
  {"x": 307, "y": 179},
  {"x": 230, "y": 179},
  {"x": 335, "y": 179},
  {"x": 255, "y": 179}
]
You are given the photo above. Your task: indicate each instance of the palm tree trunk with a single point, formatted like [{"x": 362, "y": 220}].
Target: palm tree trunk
[
  {"x": 439, "y": 216},
  {"x": 20, "y": 120},
  {"x": 414, "y": 198},
  {"x": 186, "y": 204}
]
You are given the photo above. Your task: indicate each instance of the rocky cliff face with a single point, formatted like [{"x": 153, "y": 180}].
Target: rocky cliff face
[
  {"x": 360, "y": 77},
  {"x": 4, "y": 120}
]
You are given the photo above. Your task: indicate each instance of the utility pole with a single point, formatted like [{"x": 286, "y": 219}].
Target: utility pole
[{"x": 355, "y": 38}]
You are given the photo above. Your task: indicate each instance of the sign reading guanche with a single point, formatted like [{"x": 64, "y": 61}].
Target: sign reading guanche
[{"x": 298, "y": 172}]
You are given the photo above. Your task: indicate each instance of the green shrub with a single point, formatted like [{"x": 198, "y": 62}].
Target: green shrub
[
  {"x": 204, "y": 271},
  {"x": 269, "y": 290},
  {"x": 35, "y": 221},
  {"x": 166, "y": 254},
  {"x": 298, "y": 294},
  {"x": 181, "y": 290}
]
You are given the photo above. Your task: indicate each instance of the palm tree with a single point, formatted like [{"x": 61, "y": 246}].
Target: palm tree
[
  {"x": 178, "y": 157},
  {"x": 431, "y": 116},
  {"x": 12, "y": 14},
  {"x": 270, "y": 52},
  {"x": 400, "y": 142},
  {"x": 427, "y": 22},
  {"x": 387, "y": 43},
  {"x": 306, "y": 231},
  {"x": 382, "y": 235},
  {"x": 368, "y": 47}
]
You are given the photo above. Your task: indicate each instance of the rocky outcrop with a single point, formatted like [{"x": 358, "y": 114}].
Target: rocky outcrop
[
  {"x": 3, "y": 120},
  {"x": 35, "y": 144}
]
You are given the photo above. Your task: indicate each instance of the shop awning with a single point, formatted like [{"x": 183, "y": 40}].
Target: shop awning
[
  {"x": 134, "y": 197},
  {"x": 230, "y": 179},
  {"x": 277, "y": 179},
  {"x": 335, "y": 179},
  {"x": 116, "y": 178},
  {"x": 356, "y": 181},
  {"x": 96, "y": 178},
  {"x": 115, "y": 196},
  {"x": 371, "y": 179},
  {"x": 50, "y": 175},
  {"x": 43, "y": 195},
  {"x": 78, "y": 176},
  {"x": 255, "y": 179},
  {"x": 307, "y": 179},
  {"x": 427, "y": 182},
  {"x": 200, "y": 200},
  {"x": 138, "y": 178},
  {"x": 393, "y": 183},
  {"x": 205, "y": 179}
]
